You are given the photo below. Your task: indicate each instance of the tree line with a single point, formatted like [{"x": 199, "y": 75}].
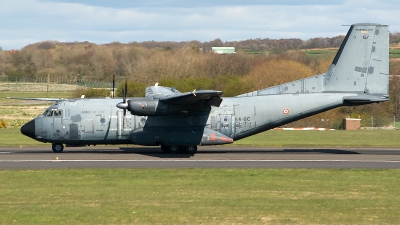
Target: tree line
[{"x": 189, "y": 65}]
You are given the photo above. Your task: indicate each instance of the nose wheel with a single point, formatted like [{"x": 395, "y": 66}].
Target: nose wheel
[{"x": 57, "y": 147}]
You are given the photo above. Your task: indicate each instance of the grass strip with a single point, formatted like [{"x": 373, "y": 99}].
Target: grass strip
[
  {"x": 336, "y": 138},
  {"x": 199, "y": 196},
  {"x": 13, "y": 137}
]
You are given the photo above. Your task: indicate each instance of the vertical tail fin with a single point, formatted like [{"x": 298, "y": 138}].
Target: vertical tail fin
[{"x": 362, "y": 63}]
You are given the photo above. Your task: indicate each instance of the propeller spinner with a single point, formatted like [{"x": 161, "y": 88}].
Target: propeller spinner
[{"x": 124, "y": 104}]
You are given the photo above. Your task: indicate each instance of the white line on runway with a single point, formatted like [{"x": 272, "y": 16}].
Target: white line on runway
[
  {"x": 212, "y": 160},
  {"x": 5, "y": 152}
]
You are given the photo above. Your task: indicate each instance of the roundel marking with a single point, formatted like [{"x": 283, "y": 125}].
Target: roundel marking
[{"x": 285, "y": 111}]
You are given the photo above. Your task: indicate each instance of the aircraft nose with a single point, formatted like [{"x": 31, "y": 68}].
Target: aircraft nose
[{"x": 28, "y": 129}]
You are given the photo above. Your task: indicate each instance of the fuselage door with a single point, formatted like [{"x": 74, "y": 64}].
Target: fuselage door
[
  {"x": 88, "y": 126},
  {"x": 226, "y": 125},
  {"x": 214, "y": 122}
]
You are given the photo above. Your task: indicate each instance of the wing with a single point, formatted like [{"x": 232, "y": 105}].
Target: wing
[
  {"x": 208, "y": 96},
  {"x": 174, "y": 97}
]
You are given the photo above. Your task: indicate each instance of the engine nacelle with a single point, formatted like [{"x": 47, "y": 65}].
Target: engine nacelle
[{"x": 152, "y": 107}]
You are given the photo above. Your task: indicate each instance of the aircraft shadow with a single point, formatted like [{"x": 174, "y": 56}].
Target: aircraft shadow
[
  {"x": 157, "y": 152},
  {"x": 280, "y": 151}
]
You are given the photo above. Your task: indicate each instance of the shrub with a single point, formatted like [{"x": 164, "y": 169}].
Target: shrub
[{"x": 3, "y": 124}]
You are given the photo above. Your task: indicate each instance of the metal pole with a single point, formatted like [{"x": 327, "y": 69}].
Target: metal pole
[
  {"x": 394, "y": 121},
  {"x": 48, "y": 82}
]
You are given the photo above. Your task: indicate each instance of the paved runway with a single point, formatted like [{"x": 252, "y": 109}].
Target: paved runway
[{"x": 227, "y": 156}]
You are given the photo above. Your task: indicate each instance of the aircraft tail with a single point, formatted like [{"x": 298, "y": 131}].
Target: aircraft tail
[{"x": 361, "y": 64}]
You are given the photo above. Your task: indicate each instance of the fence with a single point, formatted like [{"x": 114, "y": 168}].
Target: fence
[
  {"x": 41, "y": 85},
  {"x": 376, "y": 122}
]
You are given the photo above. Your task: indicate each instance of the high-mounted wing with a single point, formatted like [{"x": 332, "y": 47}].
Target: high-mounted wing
[
  {"x": 210, "y": 96},
  {"x": 161, "y": 101},
  {"x": 175, "y": 97}
]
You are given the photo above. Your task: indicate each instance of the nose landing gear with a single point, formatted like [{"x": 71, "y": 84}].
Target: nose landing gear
[{"x": 57, "y": 147}]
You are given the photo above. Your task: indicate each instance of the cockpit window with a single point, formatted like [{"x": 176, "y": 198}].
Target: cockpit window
[
  {"x": 49, "y": 112},
  {"x": 57, "y": 112},
  {"x": 52, "y": 112}
]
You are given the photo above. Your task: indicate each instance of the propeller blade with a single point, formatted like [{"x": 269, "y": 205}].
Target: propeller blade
[
  {"x": 113, "y": 87},
  {"x": 124, "y": 104},
  {"x": 124, "y": 91}
]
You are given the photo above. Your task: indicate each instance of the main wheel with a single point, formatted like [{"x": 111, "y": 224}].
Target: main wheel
[
  {"x": 57, "y": 147},
  {"x": 164, "y": 148},
  {"x": 191, "y": 149},
  {"x": 174, "y": 149}
]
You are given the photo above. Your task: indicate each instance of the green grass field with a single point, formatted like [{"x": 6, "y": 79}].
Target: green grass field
[
  {"x": 394, "y": 53},
  {"x": 335, "y": 138},
  {"x": 199, "y": 196},
  {"x": 320, "y": 53}
]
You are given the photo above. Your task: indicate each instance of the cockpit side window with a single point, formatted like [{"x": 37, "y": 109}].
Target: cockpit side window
[
  {"x": 52, "y": 112},
  {"x": 57, "y": 112},
  {"x": 49, "y": 113}
]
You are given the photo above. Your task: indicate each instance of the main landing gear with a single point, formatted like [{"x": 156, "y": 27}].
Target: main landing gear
[
  {"x": 191, "y": 149},
  {"x": 57, "y": 147}
]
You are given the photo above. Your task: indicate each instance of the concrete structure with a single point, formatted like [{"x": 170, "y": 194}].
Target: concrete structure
[{"x": 351, "y": 124}]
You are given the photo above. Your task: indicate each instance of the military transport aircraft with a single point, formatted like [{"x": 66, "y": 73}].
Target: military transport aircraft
[{"x": 179, "y": 122}]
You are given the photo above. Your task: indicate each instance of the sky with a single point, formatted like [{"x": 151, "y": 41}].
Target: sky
[{"x": 24, "y": 22}]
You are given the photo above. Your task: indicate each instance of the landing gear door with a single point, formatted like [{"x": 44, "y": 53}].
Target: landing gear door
[{"x": 226, "y": 125}]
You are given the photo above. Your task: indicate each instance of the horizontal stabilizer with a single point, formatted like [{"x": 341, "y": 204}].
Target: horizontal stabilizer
[{"x": 364, "y": 99}]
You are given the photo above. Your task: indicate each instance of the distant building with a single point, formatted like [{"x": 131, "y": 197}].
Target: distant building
[{"x": 223, "y": 50}]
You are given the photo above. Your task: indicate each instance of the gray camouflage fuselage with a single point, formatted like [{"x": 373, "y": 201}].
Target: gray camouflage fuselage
[{"x": 358, "y": 75}]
